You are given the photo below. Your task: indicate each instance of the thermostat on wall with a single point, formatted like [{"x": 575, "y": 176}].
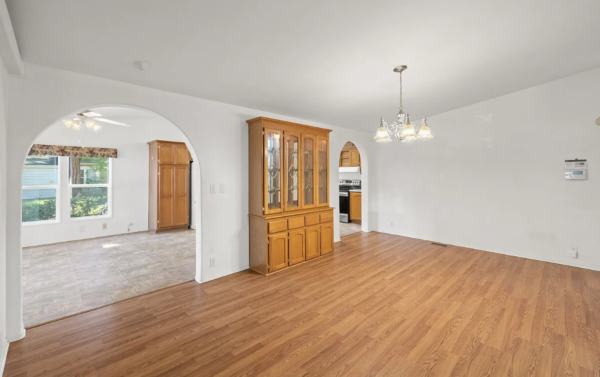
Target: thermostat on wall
[{"x": 576, "y": 169}]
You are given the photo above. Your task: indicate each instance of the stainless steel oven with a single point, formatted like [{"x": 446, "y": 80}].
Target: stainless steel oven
[
  {"x": 345, "y": 186},
  {"x": 344, "y": 207}
]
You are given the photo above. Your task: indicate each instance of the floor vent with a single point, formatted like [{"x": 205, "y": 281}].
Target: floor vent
[{"x": 438, "y": 244}]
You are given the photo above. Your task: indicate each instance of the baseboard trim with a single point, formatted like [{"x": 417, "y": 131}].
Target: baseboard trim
[
  {"x": 549, "y": 260},
  {"x": 3, "y": 355},
  {"x": 20, "y": 335}
]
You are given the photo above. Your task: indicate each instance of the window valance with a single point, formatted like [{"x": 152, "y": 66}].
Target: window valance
[{"x": 64, "y": 150}]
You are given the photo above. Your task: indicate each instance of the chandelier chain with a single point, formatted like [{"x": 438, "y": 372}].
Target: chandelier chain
[{"x": 401, "y": 108}]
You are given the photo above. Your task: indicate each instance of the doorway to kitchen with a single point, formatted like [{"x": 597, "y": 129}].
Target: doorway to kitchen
[{"x": 350, "y": 190}]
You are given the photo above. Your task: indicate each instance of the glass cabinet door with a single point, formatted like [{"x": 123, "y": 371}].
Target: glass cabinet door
[
  {"x": 308, "y": 170},
  {"x": 323, "y": 171},
  {"x": 273, "y": 196},
  {"x": 292, "y": 174}
]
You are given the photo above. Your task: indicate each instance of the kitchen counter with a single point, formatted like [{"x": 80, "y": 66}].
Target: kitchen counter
[{"x": 359, "y": 190}]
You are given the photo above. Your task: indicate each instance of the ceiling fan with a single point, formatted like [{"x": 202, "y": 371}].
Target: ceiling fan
[{"x": 89, "y": 119}]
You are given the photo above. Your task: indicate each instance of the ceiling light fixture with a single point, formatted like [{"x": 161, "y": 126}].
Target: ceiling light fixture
[
  {"x": 90, "y": 119},
  {"x": 403, "y": 129}
]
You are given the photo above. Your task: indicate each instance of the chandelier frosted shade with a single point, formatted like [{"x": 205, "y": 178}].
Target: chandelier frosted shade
[
  {"x": 408, "y": 132},
  {"x": 424, "y": 131},
  {"x": 382, "y": 135}
]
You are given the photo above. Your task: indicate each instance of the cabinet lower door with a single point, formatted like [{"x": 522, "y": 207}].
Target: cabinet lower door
[
  {"x": 313, "y": 242},
  {"x": 181, "y": 197},
  {"x": 296, "y": 246},
  {"x": 165, "y": 196},
  {"x": 326, "y": 238},
  {"x": 278, "y": 251}
]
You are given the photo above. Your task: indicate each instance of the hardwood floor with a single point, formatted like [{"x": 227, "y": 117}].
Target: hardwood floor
[{"x": 381, "y": 305}]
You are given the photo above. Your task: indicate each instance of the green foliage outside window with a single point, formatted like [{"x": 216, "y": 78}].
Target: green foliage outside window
[{"x": 39, "y": 210}]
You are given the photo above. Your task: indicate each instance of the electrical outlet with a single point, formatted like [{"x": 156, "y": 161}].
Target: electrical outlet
[
  {"x": 222, "y": 188},
  {"x": 104, "y": 226},
  {"x": 82, "y": 228},
  {"x": 392, "y": 223},
  {"x": 574, "y": 252},
  {"x": 213, "y": 188},
  {"x": 212, "y": 262},
  {"x": 129, "y": 225}
]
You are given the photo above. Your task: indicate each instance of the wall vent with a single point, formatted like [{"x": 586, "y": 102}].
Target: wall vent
[{"x": 438, "y": 244}]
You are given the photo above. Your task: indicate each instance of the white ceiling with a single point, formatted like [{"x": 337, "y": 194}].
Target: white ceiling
[{"x": 322, "y": 60}]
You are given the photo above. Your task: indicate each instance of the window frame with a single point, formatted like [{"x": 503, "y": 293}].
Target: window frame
[
  {"x": 56, "y": 187},
  {"x": 64, "y": 193},
  {"x": 70, "y": 187}
]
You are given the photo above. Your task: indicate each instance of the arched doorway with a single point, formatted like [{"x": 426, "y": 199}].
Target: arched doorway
[
  {"x": 84, "y": 235},
  {"x": 350, "y": 191}
]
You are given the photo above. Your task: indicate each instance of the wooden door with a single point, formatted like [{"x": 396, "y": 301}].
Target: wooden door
[
  {"x": 326, "y": 238},
  {"x": 313, "y": 242},
  {"x": 355, "y": 206},
  {"x": 181, "y": 197},
  {"x": 278, "y": 255},
  {"x": 296, "y": 246},
  {"x": 309, "y": 164},
  {"x": 181, "y": 154},
  {"x": 273, "y": 141},
  {"x": 292, "y": 172},
  {"x": 322, "y": 171},
  {"x": 165, "y": 196},
  {"x": 166, "y": 153},
  {"x": 354, "y": 157}
]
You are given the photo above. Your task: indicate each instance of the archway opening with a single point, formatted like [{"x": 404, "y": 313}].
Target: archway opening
[
  {"x": 103, "y": 219},
  {"x": 351, "y": 196}
]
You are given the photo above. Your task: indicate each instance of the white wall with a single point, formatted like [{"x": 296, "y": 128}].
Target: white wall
[
  {"x": 492, "y": 178},
  {"x": 217, "y": 133},
  {"x": 3, "y": 175},
  {"x": 129, "y": 177}
]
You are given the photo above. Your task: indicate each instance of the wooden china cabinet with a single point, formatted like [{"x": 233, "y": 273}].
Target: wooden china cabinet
[{"x": 290, "y": 217}]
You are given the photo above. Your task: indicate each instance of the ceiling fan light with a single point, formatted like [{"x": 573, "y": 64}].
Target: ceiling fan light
[
  {"x": 96, "y": 127},
  {"x": 90, "y": 123},
  {"x": 76, "y": 124},
  {"x": 68, "y": 122}
]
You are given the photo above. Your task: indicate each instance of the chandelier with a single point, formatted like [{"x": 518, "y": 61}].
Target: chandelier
[{"x": 403, "y": 129}]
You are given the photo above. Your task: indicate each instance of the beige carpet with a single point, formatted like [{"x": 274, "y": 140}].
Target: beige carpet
[{"x": 71, "y": 277}]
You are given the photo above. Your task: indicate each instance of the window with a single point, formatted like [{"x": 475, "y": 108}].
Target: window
[
  {"x": 89, "y": 186},
  {"x": 56, "y": 188},
  {"x": 40, "y": 184}
]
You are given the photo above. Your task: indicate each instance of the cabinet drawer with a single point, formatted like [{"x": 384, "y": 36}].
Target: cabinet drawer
[
  {"x": 326, "y": 217},
  {"x": 312, "y": 219},
  {"x": 296, "y": 222},
  {"x": 277, "y": 225}
]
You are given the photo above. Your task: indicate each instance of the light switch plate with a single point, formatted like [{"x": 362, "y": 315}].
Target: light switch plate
[
  {"x": 222, "y": 188},
  {"x": 213, "y": 188}
]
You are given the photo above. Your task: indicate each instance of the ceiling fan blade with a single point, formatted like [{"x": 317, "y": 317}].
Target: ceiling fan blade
[
  {"x": 112, "y": 122},
  {"x": 90, "y": 114}
]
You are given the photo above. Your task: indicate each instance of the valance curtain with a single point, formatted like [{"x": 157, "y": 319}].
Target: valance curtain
[{"x": 64, "y": 150}]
